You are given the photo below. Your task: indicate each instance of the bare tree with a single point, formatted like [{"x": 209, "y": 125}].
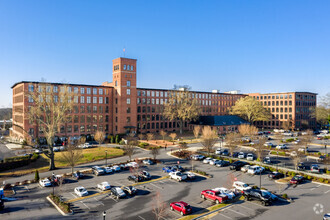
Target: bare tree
[
  {"x": 260, "y": 146},
  {"x": 181, "y": 107},
  {"x": 197, "y": 130},
  {"x": 209, "y": 138},
  {"x": 183, "y": 146},
  {"x": 158, "y": 206},
  {"x": 286, "y": 125},
  {"x": 154, "y": 152},
  {"x": 173, "y": 136},
  {"x": 129, "y": 149},
  {"x": 163, "y": 134},
  {"x": 141, "y": 136},
  {"x": 247, "y": 130},
  {"x": 99, "y": 136},
  {"x": 306, "y": 139},
  {"x": 73, "y": 154},
  {"x": 49, "y": 109},
  {"x": 232, "y": 140},
  {"x": 150, "y": 136}
]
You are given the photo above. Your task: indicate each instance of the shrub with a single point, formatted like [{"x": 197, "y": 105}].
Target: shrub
[
  {"x": 321, "y": 180},
  {"x": 117, "y": 139},
  {"x": 182, "y": 154},
  {"x": 319, "y": 153},
  {"x": 290, "y": 140},
  {"x": 143, "y": 144},
  {"x": 122, "y": 142},
  {"x": 112, "y": 139},
  {"x": 36, "y": 176},
  {"x": 285, "y": 196},
  {"x": 230, "y": 161},
  {"x": 309, "y": 177},
  {"x": 64, "y": 206},
  {"x": 326, "y": 181}
]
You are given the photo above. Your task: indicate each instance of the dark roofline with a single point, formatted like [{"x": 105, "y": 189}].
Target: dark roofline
[
  {"x": 69, "y": 84},
  {"x": 222, "y": 93},
  {"x": 273, "y": 93},
  {"x": 125, "y": 58}
]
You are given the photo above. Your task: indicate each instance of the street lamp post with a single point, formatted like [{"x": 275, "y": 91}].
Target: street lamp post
[
  {"x": 53, "y": 178},
  {"x": 104, "y": 214},
  {"x": 277, "y": 161},
  {"x": 106, "y": 157}
]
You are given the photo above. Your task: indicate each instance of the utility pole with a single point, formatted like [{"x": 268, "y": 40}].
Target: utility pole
[{"x": 106, "y": 157}]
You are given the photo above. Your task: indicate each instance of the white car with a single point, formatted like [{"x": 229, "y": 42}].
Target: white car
[
  {"x": 268, "y": 144},
  {"x": 296, "y": 142},
  {"x": 45, "y": 182},
  {"x": 222, "y": 190},
  {"x": 56, "y": 149},
  {"x": 190, "y": 175},
  {"x": 116, "y": 168},
  {"x": 84, "y": 146},
  {"x": 108, "y": 170},
  {"x": 249, "y": 156},
  {"x": 80, "y": 191},
  {"x": 245, "y": 168},
  {"x": 255, "y": 170},
  {"x": 103, "y": 186},
  {"x": 133, "y": 164},
  {"x": 281, "y": 146},
  {"x": 293, "y": 154},
  {"x": 214, "y": 162},
  {"x": 241, "y": 186},
  {"x": 177, "y": 175},
  {"x": 207, "y": 160},
  {"x": 197, "y": 157},
  {"x": 241, "y": 155},
  {"x": 218, "y": 151}
]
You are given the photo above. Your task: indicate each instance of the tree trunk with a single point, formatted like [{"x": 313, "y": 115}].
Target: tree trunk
[
  {"x": 72, "y": 170},
  {"x": 51, "y": 159},
  {"x": 181, "y": 126}
]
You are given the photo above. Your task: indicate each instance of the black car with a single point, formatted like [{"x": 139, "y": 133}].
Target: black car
[
  {"x": 302, "y": 166},
  {"x": 275, "y": 175},
  {"x": 223, "y": 163},
  {"x": 145, "y": 175},
  {"x": 224, "y": 152},
  {"x": 135, "y": 178},
  {"x": 237, "y": 165},
  {"x": 2, "y": 204},
  {"x": 177, "y": 168},
  {"x": 129, "y": 190},
  {"x": 235, "y": 154},
  {"x": 78, "y": 175},
  {"x": 256, "y": 194}
]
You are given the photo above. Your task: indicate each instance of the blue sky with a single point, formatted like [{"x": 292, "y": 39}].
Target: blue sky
[{"x": 252, "y": 46}]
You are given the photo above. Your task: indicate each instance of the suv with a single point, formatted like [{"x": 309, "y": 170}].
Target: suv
[
  {"x": 237, "y": 165},
  {"x": 135, "y": 178},
  {"x": 97, "y": 170},
  {"x": 182, "y": 207},
  {"x": 255, "y": 194},
  {"x": 178, "y": 176},
  {"x": 255, "y": 170},
  {"x": 241, "y": 186},
  {"x": 315, "y": 168},
  {"x": 213, "y": 195},
  {"x": 145, "y": 175}
]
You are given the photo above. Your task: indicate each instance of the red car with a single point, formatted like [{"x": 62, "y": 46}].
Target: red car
[
  {"x": 182, "y": 207},
  {"x": 297, "y": 179},
  {"x": 214, "y": 195}
]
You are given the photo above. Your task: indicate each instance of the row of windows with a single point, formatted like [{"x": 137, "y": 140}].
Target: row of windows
[
  {"x": 76, "y": 129},
  {"x": 274, "y": 96},
  {"x": 128, "y": 67},
  {"x": 281, "y": 116},
  {"x": 281, "y": 109},
  {"x": 128, "y": 83},
  {"x": 83, "y": 99},
  {"x": 305, "y": 103},
  {"x": 75, "y": 90},
  {"x": 305, "y": 97},
  {"x": 160, "y": 125},
  {"x": 90, "y": 109},
  {"x": 277, "y": 103}
]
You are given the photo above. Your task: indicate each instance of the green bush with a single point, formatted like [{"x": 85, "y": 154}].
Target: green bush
[
  {"x": 285, "y": 196},
  {"x": 309, "y": 177},
  {"x": 64, "y": 206},
  {"x": 326, "y": 181},
  {"x": 122, "y": 142},
  {"x": 289, "y": 140},
  {"x": 143, "y": 144},
  {"x": 112, "y": 139},
  {"x": 117, "y": 139},
  {"x": 321, "y": 180}
]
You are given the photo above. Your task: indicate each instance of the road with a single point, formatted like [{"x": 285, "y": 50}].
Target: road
[{"x": 5, "y": 152}]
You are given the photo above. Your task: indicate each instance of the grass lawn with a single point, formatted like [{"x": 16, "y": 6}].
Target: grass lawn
[{"x": 89, "y": 155}]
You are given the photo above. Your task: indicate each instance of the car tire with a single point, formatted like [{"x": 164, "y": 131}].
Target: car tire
[
  {"x": 263, "y": 203},
  {"x": 172, "y": 208},
  {"x": 217, "y": 201},
  {"x": 203, "y": 197},
  {"x": 181, "y": 213}
]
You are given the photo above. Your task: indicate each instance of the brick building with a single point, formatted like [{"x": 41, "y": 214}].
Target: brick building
[
  {"x": 114, "y": 107},
  {"x": 294, "y": 108}
]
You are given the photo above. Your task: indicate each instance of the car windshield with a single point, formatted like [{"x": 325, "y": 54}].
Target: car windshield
[
  {"x": 245, "y": 185},
  {"x": 187, "y": 206},
  {"x": 81, "y": 189},
  {"x": 265, "y": 193}
]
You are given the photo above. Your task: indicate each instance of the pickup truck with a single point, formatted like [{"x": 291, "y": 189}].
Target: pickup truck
[
  {"x": 215, "y": 196},
  {"x": 178, "y": 176},
  {"x": 255, "y": 194}
]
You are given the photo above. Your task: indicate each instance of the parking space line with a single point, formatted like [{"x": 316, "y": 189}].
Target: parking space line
[
  {"x": 236, "y": 212},
  {"x": 74, "y": 195},
  {"x": 326, "y": 192},
  {"x": 84, "y": 204},
  {"x": 245, "y": 207},
  {"x": 27, "y": 188},
  {"x": 156, "y": 186},
  {"x": 141, "y": 218},
  {"x": 98, "y": 201},
  {"x": 255, "y": 204},
  {"x": 224, "y": 215}
]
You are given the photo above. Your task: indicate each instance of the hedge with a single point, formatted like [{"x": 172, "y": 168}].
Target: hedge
[
  {"x": 15, "y": 162},
  {"x": 143, "y": 144},
  {"x": 65, "y": 207}
]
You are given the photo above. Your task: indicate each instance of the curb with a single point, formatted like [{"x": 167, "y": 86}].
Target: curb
[{"x": 58, "y": 208}]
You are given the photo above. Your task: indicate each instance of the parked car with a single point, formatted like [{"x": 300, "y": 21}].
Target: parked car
[
  {"x": 148, "y": 162},
  {"x": 125, "y": 166},
  {"x": 133, "y": 164},
  {"x": 255, "y": 170},
  {"x": 272, "y": 196},
  {"x": 98, "y": 170},
  {"x": 145, "y": 175},
  {"x": 281, "y": 146},
  {"x": 117, "y": 192},
  {"x": 197, "y": 157},
  {"x": 80, "y": 191},
  {"x": 218, "y": 151},
  {"x": 224, "y": 152},
  {"x": 135, "y": 178},
  {"x": 223, "y": 163},
  {"x": 293, "y": 154},
  {"x": 237, "y": 165},
  {"x": 297, "y": 179},
  {"x": 129, "y": 190},
  {"x": 177, "y": 168},
  {"x": 322, "y": 158},
  {"x": 268, "y": 144},
  {"x": 103, "y": 186},
  {"x": 182, "y": 207},
  {"x": 230, "y": 194},
  {"x": 326, "y": 216},
  {"x": 241, "y": 186},
  {"x": 296, "y": 141},
  {"x": 255, "y": 194},
  {"x": 45, "y": 182},
  {"x": 58, "y": 179},
  {"x": 177, "y": 175},
  {"x": 250, "y": 156},
  {"x": 268, "y": 160},
  {"x": 245, "y": 168},
  {"x": 214, "y": 196},
  {"x": 241, "y": 155},
  {"x": 207, "y": 160},
  {"x": 2, "y": 204},
  {"x": 190, "y": 175},
  {"x": 214, "y": 161},
  {"x": 235, "y": 154},
  {"x": 315, "y": 168},
  {"x": 108, "y": 170},
  {"x": 78, "y": 175},
  {"x": 275, "y": 175},
  {"x": 302, "y": 166},
  {"x": 116, "y": 168}
]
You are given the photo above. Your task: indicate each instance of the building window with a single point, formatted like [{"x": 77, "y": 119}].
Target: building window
[
  {"x": 94, "y": 100},
  {"x": 88, "y": 91},
  {"x": 82, "y": 109},
  {"x": 75, "y": 90},
  {"x": 94, "y": 91},
  {"x": 131, "y": 68},
  {"x": 82, "y": 99},
  {"x": 100, "y": 100},
  {"x": 128, "y": 110},
  {"x": 55, "y": 89},
  {"x": 30, "y": 99},
  {"x": 128, "y": 83},
  {"x": 128, "y": 91},
  {"x": 128, "y": 119},
  {"x": 128, "y": 67},
  {"x": 88, "y": 99},
  {"x": 75, "y": 99},
  {"x": 148, "y": 93},
  {"x": 100, "y": 91},
  {"x": 82, "y": 90},
  {"x": 31, "y": 88},
  {"x": 128, "y": 101},
  {"x": 125, "y": 67},
  {"x": 94, "y": 109}
]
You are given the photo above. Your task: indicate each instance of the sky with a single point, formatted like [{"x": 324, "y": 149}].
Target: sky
[{"x": 251, "y": 46}]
